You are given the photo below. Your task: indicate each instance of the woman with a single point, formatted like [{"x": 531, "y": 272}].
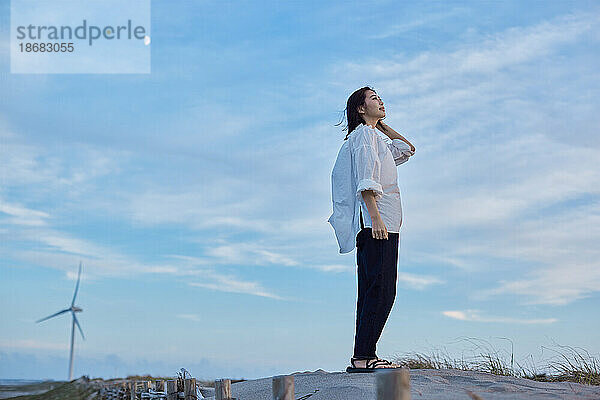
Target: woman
[{"x": 376, "y": 181}]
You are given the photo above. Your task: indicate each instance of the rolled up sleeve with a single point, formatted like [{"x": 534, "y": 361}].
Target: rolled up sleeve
[
  {"x": 400, "y": 150},
  {"x": 368, "y": 170}
]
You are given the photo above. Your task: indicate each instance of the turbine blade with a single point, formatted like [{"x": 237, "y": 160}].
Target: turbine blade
[
  {"x": 76, "y": 286},
  {"x": 79, "y": 326},
  {"x": 54, "y": 315}
]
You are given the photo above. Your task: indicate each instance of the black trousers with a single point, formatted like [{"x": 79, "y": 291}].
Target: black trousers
[{"x": 377, "y": 261}]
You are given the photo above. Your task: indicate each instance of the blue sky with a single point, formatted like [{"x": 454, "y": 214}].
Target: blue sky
[{"x": 197, "y": 196}]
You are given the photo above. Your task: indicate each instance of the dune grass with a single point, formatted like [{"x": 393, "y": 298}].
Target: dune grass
[
  {"x": 569, "y": 364},
  {"x": 73, "y": 390}
]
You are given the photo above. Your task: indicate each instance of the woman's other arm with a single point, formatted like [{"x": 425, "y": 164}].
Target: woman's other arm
[{"x": 392, "y": 134}]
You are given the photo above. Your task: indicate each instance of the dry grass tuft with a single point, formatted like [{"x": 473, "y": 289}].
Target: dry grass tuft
[{"x": 571, "y": 367}]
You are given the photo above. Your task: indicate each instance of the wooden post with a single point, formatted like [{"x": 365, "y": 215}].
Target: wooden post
[
  {"x": 131, "y": 387},
  {"x": 190, "y": 389},
  {"x": 134, "y": 390},
  {"x": 393, "y": 383},
  {"x": 283, "y": 387},
  {"x": 172, "y": 390},
  {"x": 223, "y": 389}
]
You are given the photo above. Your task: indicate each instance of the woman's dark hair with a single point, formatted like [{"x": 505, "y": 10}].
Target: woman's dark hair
[{"x": 353, "y": 118}]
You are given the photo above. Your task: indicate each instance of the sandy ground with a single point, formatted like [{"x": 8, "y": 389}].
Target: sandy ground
[{"x": 442, "y": 384}]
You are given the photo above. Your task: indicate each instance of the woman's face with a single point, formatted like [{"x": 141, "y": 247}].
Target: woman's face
[{"x": 373, "y": 107}]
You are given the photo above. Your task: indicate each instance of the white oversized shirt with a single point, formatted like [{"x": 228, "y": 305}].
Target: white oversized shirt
[{"x": 366, "y": 162}]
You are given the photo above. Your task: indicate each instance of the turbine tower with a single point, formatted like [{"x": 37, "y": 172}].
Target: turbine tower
[{"x": 74, "y": 309}]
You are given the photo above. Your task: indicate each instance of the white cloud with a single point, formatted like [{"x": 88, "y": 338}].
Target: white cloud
[
  {"x": 216, "y": 280},
  {"x": 474, "y": 315},
  {"x": 190, "y": 317},
  {"x": 505, "y": 167},
  {"x": 247, "y": 253},
  {"x": 43, "y": 170},
  {"x": 514, "y": 46},
  {"x": 32, "y": 165},
  {"x": 487, "y": 159},
  {"x": 22, "y": 215},
  {"x": 519, "y": 45},
  {"x": 412, "y": 22},
  {"x": 336, "y": 268},
  {"x": 418, "y": 282},
  {"x": 101, "y": 261},
  {"x": 231, "y": 284}
]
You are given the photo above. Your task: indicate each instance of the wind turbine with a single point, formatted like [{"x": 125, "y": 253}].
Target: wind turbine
[{"x": 74, "y": 309}]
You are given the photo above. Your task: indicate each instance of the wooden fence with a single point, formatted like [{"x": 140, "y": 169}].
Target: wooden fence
[{"x": 392, "y": 384}]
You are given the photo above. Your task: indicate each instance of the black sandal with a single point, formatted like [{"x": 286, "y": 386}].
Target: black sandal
[
  {"x": 390, "y": 363},
  {"x": 370, "y": 366}
]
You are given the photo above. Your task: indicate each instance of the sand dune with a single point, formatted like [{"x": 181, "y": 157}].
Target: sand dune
[{"x": 445, "y": 384}]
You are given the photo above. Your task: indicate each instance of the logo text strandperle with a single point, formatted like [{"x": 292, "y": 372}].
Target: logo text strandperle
[{"x": 91, "y": 32}]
